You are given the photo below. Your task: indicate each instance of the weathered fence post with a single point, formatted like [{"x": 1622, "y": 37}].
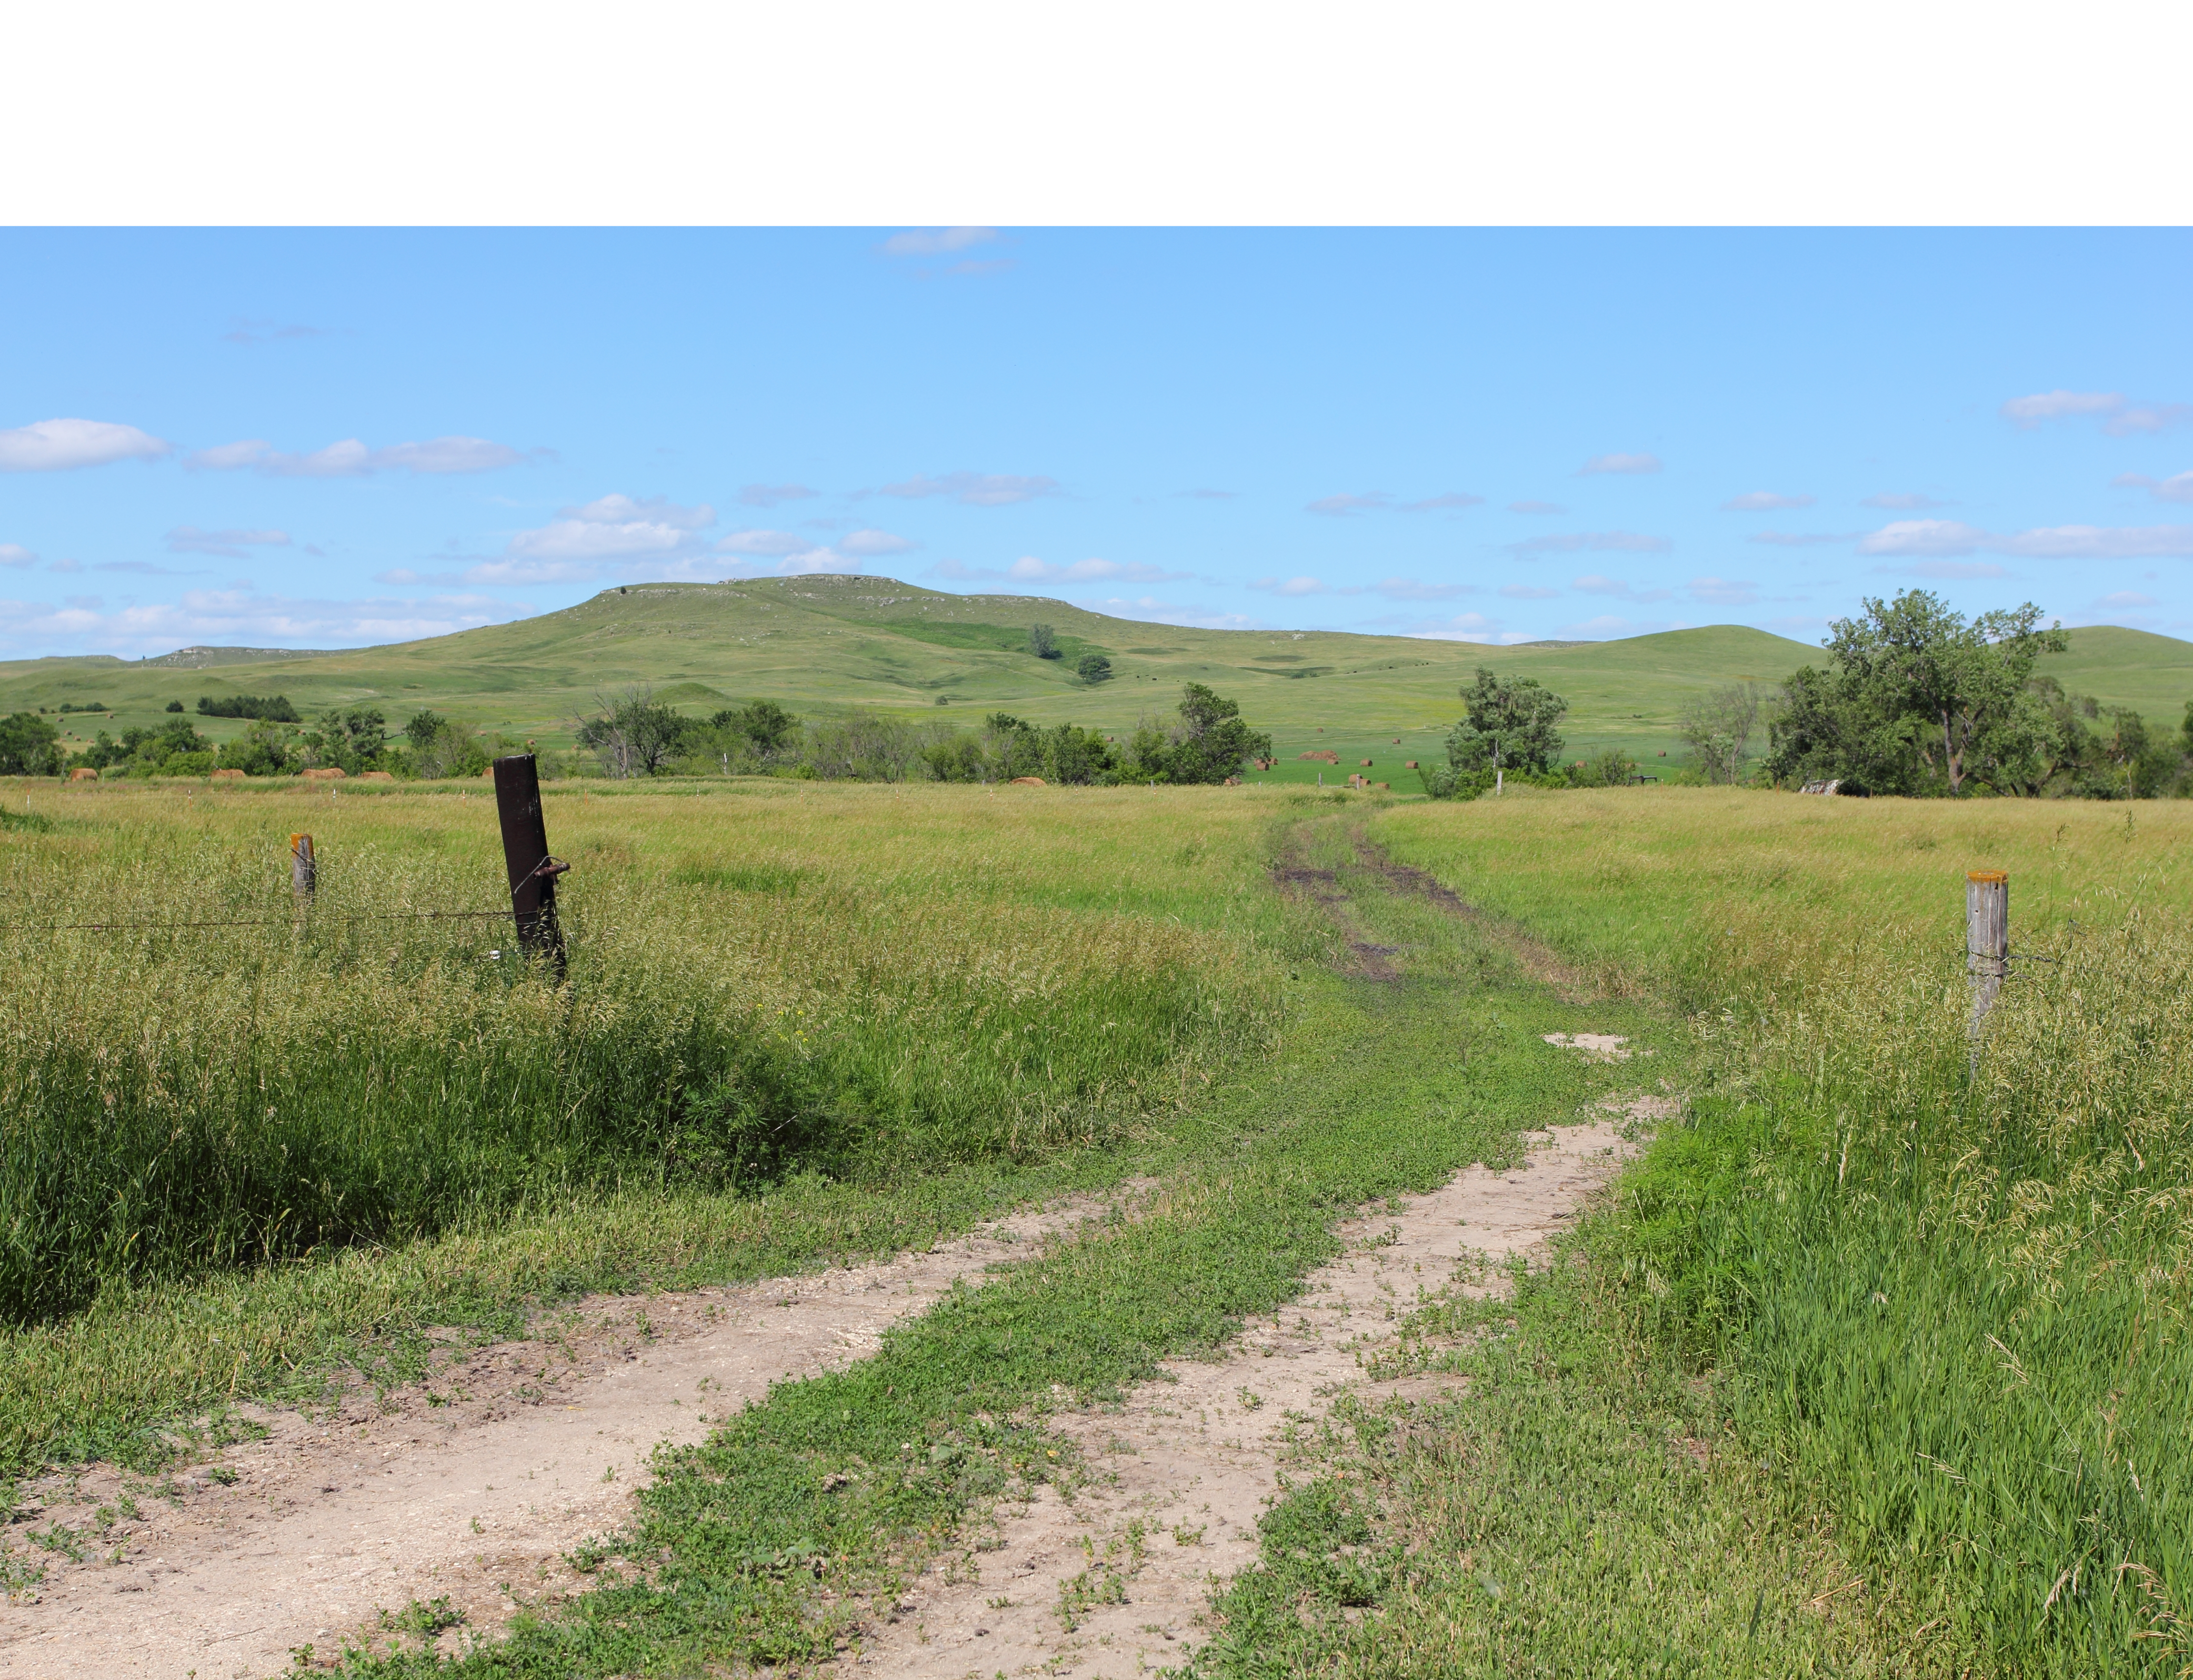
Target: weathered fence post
[
  {"x": 1987, "y": 943},
  {"x": 304, "y": 869},
  {"x": 525, "y": 857}
]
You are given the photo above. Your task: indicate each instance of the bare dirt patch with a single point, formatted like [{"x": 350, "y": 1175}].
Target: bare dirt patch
[
  {"x": 1110, "y": 1577},
  {"x": 1538, "y": 960},
  {"x": 470, "y": 1486}
]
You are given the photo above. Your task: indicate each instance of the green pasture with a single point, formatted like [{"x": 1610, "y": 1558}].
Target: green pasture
[{"x": 825, "y": 645}]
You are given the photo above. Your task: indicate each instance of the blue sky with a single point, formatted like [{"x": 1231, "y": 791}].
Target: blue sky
[{"x": 315, "y": 438}]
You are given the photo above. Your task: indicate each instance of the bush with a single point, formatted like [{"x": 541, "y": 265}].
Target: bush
[
  {"x": 29, "y": 746},
  {"x": 270, "y": 707}
]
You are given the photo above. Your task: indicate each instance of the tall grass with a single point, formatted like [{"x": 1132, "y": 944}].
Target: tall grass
[
  {"x": 177, "y": 1098},
  {"x": 1948, "y": 1306}
]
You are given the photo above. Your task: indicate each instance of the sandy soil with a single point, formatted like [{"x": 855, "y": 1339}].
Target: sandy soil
[
  {"x": 470, "y": 1486},
  {"x": 1184, "y": 1468}
]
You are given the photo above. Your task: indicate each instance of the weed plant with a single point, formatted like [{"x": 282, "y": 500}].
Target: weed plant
[
  {"x": 1945, "y": 1299},
  {"x": 217, "y": 1078}
]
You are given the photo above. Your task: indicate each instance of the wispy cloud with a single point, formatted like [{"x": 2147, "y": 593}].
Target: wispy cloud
[
  {"x": 2178, "y": 487},
  {"x": 1608, "y": 625},
  {"x": 145, "y": 569},
  {"x": 62, "y": 446},
  {"x": 1342, "y": 507},
  {"x": 351, "y": 459},
  {"x": 1290, "y": 586},
  {"x": 1943, "y": 539},
  {"x": 1593, "y": 583},
  {"x": 1447, "y": 502},
  {"x": 1948, "y": 572},
  {"x": 1722, "y": 590},
  {"x": 1612, "y": 542},
  {"x": 2120, "y": 416},
  {"x": 1923, "y": 538},
  {"x": 1411, "y": 589},
  {"x": 1618, "y": 463},
  {"x": 623, "y": 510},
  {"x": 1536, "y": 507},
  {"x": 15, "y": 556},
  {"x": 938, "y": 241},
  {"x": 976, "y": 489},
  {"x": 1806, "y": 539},
  {"x": 1902, "y": 502},
  {"x": 1763, "y": 501},
  {"x": 233, "y": 545},
  {"x": 1527, "y": 591},
  {"x": 1028, "y": 569},
  {"x": 1463, "y": 626},
  {"x": 242, "y": 617},
  {"x": 1149, "y": 610},
  {"x": 2127, "y": 598},
  {"x": 773, "y": 495}
]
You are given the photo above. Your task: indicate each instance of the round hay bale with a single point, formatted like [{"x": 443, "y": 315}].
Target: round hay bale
[
  {"x": 83, "y": 772},
  {"x": 228, "y": 776},
  {"x": 377, "y": 775},
  {"x": 1028, "y": 781},
  {"x": 333, "y": 772}
]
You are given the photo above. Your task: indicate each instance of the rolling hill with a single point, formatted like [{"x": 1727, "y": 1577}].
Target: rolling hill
[{"x": 826, "y": 644}]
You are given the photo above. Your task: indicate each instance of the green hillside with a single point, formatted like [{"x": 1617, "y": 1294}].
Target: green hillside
[{"x": 825, "y": 644}]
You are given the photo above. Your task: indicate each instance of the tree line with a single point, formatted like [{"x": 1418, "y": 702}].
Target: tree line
[{"x": 1203, "y": 739}]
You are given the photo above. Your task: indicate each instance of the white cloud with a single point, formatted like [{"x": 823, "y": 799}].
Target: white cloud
[
  {"x": 1619, "y": 463},
  {"x": 769, "y": 495},
  {"x": 1409, "y": 590},
  {"x": 1763, "y": 501},
  {"x": 242, "y": 617},
  {"x": 871, "y": 544},
  {"x": 1527, "y": 591},
  {"x": 1340, "y": 507},
  {"x": 2059, "y": 404},
  {"x": 1723, "y": 591},
  {"x": 65, "y": 565},
  {"x": 1921, "y": 538},
  {"x": 1569, "y": 542},
  {"x": 1030, "y": 569},
  {"x": 2124, "y": 419},
  {"x": 976, "y": 489},
  {"x": 1950, "y": 571},
  {"x": 938, "y": 241},
  {"x": 2102, "y": 543},
  {"x": 620, "y": 510},
  {"x": 351, "y": 459},
  {"x": 2127, "y": 598},
  {"x": 569, "y": 540},
  {"x": 58, "y": 445},
  {"x": 1901, "y": 501},
  {"x": 1809, "y": 539},
  {"x": 1536, "y": 507},
  {"x": 1593, "y": 584},
  {"x": 15, "y": 555},
  {"x": 1446, "y": 500},
  {"x": 763, "y": 542},
  {"x": 229, "y": 544},
  {"x": 1290, "y": 586},
  {"x": 2178, "y": 487}
]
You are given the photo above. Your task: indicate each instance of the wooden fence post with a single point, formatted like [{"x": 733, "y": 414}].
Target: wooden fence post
[
  {"x": 525, "y": 857},
  {"x": 304, "y": 869},
  {"x": 1987, "y": 941}
]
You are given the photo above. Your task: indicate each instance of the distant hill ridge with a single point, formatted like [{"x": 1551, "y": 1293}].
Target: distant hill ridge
[{"x": 829, "y": 644}]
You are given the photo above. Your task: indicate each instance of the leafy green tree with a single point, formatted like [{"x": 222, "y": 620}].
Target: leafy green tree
[
  {"x": 422, "y": 729},
  {"x": 265, "y": 748},
  {"x": 1043, "y": 642},
  {"x": 352, "y": 740},
  {"x": 767, "y": 726},
  {"x": 1093, "y": 668},
  {"x": 29, "y": 746},
  {"x": 174, "y": 705},
  {"x": 634, "y": 734},
  {"x": 273, "y": 708},
  {"x": 1957, "y": 680},
  {"x": 1717, "y": 728},
  {"x": 1205, "y": 741},
  {"x": 1510, "y": 725}
]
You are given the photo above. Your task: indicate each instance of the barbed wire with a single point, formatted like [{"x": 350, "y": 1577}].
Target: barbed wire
[{"x": 293, "y": 921}]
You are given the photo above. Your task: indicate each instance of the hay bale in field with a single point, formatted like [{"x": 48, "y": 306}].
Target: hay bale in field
[
  {"x": 1411, "y": 765},
  {"x": 377, "y": 775},
  {"x": 1388, "y": 785},
  {"x": 83, "y": 772},
  {"x": 333, "y": 772},
  {"x": 228, "y": 776},
  {"x": 1366, "y": 763},
  {"x": 1027, "y": 781},
  {"x": 1323, "y": 757}
]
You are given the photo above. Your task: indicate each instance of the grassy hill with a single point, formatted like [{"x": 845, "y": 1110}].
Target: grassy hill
[{"x": 826, "y": 643}]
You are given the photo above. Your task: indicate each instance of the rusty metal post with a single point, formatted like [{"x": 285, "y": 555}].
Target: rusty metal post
[
  {"x": 1987, "y": 943},
  {"x": 525, "y": 857},
  {"x": 304, "y": 869}
]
